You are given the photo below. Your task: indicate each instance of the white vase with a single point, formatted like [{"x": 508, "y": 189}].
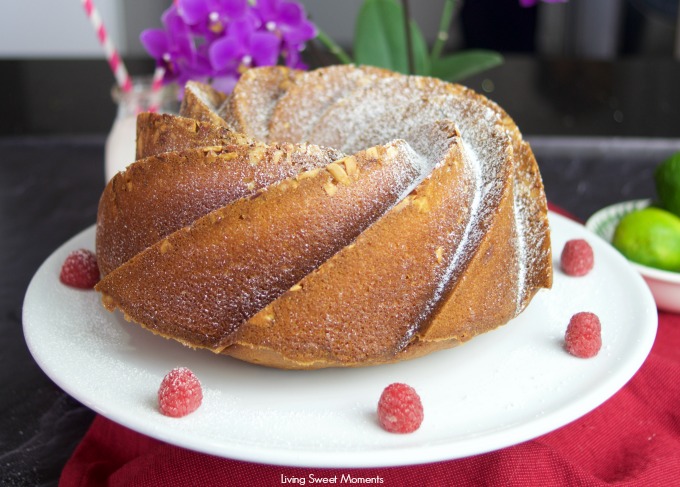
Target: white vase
[{"x": 121, "y": 141}]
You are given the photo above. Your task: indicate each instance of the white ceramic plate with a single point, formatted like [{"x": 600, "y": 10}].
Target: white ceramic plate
[{"x": 500, "y": 389}]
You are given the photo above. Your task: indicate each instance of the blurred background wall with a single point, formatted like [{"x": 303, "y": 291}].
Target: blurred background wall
[
  {"x": 589, "y": 29},
  {"x": 54, "y": 79}
]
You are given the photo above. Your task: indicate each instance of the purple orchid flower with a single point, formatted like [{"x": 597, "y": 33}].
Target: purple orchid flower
[
  {"x": 243, "y": 47},
  {"x": 216, "y": 40},
  {"x": 172, "y": 46},
  {"x": 287, "y": 20},
  {"x": 210, "y": 17}
]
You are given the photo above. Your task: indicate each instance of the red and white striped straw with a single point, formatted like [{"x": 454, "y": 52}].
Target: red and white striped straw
[{"x": 122, "y": 77}]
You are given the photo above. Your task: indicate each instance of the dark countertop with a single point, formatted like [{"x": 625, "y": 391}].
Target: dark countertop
[
  {"x": 50, "y": 182},
  {"x": 630, "y": 97},
  {"x": 49, "y": 190}
]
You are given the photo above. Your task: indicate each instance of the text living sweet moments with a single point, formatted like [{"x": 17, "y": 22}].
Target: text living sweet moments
[{"x": 345, "y": 478}]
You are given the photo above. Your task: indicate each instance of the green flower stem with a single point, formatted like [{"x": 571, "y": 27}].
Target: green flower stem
[
  {"x": 444, "y": 25},
  {"x": 335, "y": 49},
  {"x": 409, "y": 41}
]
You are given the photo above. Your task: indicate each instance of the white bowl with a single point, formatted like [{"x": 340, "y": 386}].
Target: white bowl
[{"x": 665, "y": 285}]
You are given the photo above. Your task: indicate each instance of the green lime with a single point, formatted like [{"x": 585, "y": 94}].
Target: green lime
[
  {"x": 667, "y": 177},
  {"x": 651, "y": 237}
]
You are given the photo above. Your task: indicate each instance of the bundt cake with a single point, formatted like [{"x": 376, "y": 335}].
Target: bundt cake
[{"x": 341, "y": 217}]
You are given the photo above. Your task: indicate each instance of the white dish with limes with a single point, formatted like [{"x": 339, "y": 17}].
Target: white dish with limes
[{"x": 665, "y": 285}]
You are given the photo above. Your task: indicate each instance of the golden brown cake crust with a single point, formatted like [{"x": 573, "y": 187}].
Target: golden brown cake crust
[
  {"x": 201, "y": 102},
  {"x": 158, "y": 133},
  {"x": 295, "y": 256},
  {"x": 163, "y": 193},
  {"x": 201, "y": 282},
  {"x": 249, "y": 107},
  {"x": 365, "y": 304}
]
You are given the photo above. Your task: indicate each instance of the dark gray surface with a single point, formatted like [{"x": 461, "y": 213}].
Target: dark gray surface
[
  {"x": 49, "y": 189},
  {"x": 584, "y": 174},
  {"x": 632, "y": 97}
]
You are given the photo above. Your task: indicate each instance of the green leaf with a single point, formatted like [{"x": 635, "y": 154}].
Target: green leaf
[
  {"x": 456, "y": 67},
  {"x": 380, "y": 38},
  {"x": 421, "y": 59},
  {"x": 379, "y": 35}
]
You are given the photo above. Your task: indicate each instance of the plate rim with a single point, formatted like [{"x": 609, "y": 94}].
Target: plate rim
[{"x": 400, "y": 455}]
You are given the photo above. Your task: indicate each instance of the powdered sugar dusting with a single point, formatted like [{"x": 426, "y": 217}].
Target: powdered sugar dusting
[
  {"x": 396, "y": 107},
  {"x": 469, "y": 234},
  {"x": 205, "y": 99},
  {"x": 255, "y": 97},
  {"x": 299, "y": 109},
  {"x": 518, "y": 209},
  {"x": 534, "y": 234}
]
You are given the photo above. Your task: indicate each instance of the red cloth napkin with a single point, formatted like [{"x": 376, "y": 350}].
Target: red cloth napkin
[{"x": 633, "y": 439}]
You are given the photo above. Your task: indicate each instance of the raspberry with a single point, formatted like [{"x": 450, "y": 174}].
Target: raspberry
[
  {"x": 583, "y": 338},
  {"x": 577, "y": 257},
  {"x": 400, "y": 409},
  {"x": 180, "y": 393},
  {"x": 80, "y": 269}
]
